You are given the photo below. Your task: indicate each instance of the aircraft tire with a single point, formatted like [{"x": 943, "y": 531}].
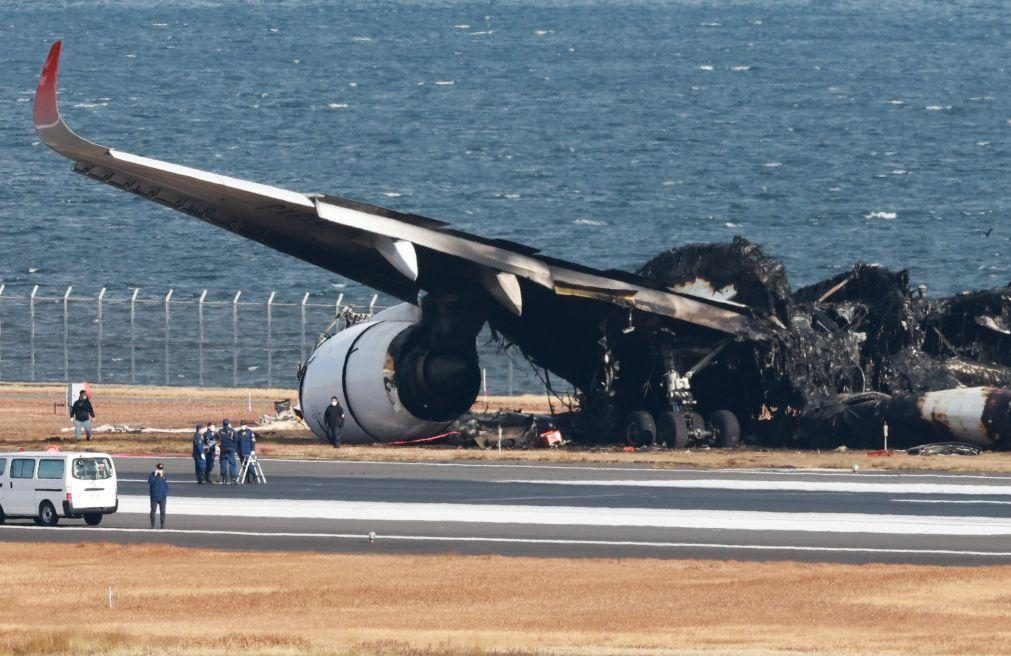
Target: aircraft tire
[
  {"x": 726, "y": 429},
  {"x": 672, "y": 429},
  {"x": 639, "y": 429}
]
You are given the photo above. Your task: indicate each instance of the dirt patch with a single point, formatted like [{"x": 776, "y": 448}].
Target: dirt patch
[{"x": 288, "y": 603}]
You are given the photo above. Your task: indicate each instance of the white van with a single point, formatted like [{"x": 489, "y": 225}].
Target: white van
[{"x": 47, "y": 485}]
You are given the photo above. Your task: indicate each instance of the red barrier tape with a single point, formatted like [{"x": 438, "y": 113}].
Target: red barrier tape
[{"x": 423, "y": 439}]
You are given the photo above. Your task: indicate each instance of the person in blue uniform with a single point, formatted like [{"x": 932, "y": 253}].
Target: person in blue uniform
[
  {"x": 210, "y": 444},
  {"x": 247, "y": 446},
  {"x": 199, "y": 455},
  {"x": 158, "y": 490},
  {"x": 228, "y": 441}
]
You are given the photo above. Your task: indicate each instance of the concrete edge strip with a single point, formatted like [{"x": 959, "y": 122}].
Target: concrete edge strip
[{"x": 531, "y": 541}]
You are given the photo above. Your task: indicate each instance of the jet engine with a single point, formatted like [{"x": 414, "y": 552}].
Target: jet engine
[{"x": 393, "y": 378}]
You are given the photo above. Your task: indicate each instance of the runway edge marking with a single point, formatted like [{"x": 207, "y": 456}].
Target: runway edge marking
[{"x": 532, "y": 541}]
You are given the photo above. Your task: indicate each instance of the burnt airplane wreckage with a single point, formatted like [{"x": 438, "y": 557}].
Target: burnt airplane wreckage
[
  {"x": 851, "y": 355},
  {"x": 703, "y": 344}
]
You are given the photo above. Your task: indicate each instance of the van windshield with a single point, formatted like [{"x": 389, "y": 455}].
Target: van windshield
[{"x": 92, "y": 469}]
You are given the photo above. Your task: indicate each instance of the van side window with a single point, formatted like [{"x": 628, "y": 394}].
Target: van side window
[
  {"x": 3, "y": 466},
  {"x": 22, "y": 468},
  {"x": 51, "y": 468}
]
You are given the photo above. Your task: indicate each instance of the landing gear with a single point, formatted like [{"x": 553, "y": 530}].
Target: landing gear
[
  {"x": 680, "y": 426},
  {"x": 680, "y": 429},
  {"x": 726, "y": 429},
  {"x": 639, "y": 429},
  {"x": 672, "y": 429}
]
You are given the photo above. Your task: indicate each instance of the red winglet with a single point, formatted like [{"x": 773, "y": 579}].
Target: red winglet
[{"x": 47, "y": 113}]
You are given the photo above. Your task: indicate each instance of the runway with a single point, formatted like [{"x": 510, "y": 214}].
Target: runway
[{"x": 567, "y": 511}]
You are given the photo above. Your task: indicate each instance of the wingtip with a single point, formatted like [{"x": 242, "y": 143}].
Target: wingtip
[{"x": 47, "y": 113}]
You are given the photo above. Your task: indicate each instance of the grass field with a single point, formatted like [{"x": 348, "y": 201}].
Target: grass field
[
  {"x": 33, "y": 417},
  {"x": 188, "y": 601}
]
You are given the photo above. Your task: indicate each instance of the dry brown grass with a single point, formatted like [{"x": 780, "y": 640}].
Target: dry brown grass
[
  {"x": 187, "y": 601},
  {"x": 29, "y": 422}
]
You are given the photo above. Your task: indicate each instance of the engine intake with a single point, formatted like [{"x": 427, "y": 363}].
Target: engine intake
[{"x": 393, "y": 382}]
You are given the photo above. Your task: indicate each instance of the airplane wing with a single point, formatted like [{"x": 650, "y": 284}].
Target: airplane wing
[{"x": 397, "y": 253}]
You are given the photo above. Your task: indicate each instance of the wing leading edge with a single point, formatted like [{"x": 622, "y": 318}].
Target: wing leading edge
[{"x": 397, "y": 253}]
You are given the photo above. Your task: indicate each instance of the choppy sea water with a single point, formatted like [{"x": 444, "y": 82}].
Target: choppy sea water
[{"x": 601, "y": 132}]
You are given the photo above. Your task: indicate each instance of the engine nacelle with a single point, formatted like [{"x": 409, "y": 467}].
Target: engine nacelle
[{"x": 394, "y": 385}]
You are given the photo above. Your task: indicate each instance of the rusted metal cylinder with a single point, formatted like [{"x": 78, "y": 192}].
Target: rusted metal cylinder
[{"x": 977, "y": 415}]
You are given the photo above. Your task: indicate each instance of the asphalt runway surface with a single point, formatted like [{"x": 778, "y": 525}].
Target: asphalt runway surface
[{"x": 527, "y": 509}]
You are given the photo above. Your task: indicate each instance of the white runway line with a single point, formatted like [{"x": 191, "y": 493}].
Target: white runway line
[
  {"x": 616, "y": 468},
  {"x": 974, "y": 502},
  {"x": 788, "y": 486},
  {"x": 577, "y": 516},
  {"x": 531, "y": 541}
]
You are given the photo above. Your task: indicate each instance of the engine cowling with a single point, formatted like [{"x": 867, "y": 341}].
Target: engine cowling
[{"x": 392, "y": 381}]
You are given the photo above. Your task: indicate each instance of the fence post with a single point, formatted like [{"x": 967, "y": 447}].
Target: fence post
[
  {"x": 372, "y": 304},
  {"x": 200, "y": 336},
  {"x": 101, "y": 297},
  {"x": 235, "y": 339},
  {"x": 305, "y": 299},
  {"x": 66, "y": 334},
  {"x": 2, "y": 288},
  {"x": 168, "y": 333},
  {"x": 337, "y": 312},
  {"x": 270, "y": 350},
  {"x": 133, "y": 335},
  {"x": 31, "y": 313}
]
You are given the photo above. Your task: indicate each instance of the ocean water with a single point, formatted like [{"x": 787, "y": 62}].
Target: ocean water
[{"x": 601, "y": 132}]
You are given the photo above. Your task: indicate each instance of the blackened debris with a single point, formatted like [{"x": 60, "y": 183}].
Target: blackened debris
[
  {"x": 847, "y": 345},
  {"x": 758, "y": 281},
  {"x": 518, "y": 429},
  {"x": 945, "y": 449}
]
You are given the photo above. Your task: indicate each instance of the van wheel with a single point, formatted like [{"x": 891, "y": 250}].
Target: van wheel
[
  {"x": 3, "y": 515},
  {"x": 92, "y": 519},
  {"x": 47, "y": 515}
]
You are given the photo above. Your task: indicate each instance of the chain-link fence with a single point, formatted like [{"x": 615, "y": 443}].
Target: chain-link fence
[{"x": 185, "y": 338}]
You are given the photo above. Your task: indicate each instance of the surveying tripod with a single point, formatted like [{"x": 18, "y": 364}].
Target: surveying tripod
[{"x": 252, "y": 462}]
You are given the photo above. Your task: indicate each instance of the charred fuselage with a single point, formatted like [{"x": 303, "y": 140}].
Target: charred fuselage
[{"x": 854, "y": 352}]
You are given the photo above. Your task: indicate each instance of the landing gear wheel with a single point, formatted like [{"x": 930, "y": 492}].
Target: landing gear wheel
[
  {"x": 696, "y": 425},
  {"x": 47, "y": 515},
  {"x": 672, "y": 429},
  {"x": 639, "y": 429},
  {"x": 93, "y": 519},
  {"x": 726, "y": 429}
]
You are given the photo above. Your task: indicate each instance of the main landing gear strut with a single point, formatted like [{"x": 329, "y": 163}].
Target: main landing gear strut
[{"x": 680, "y": 425}]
